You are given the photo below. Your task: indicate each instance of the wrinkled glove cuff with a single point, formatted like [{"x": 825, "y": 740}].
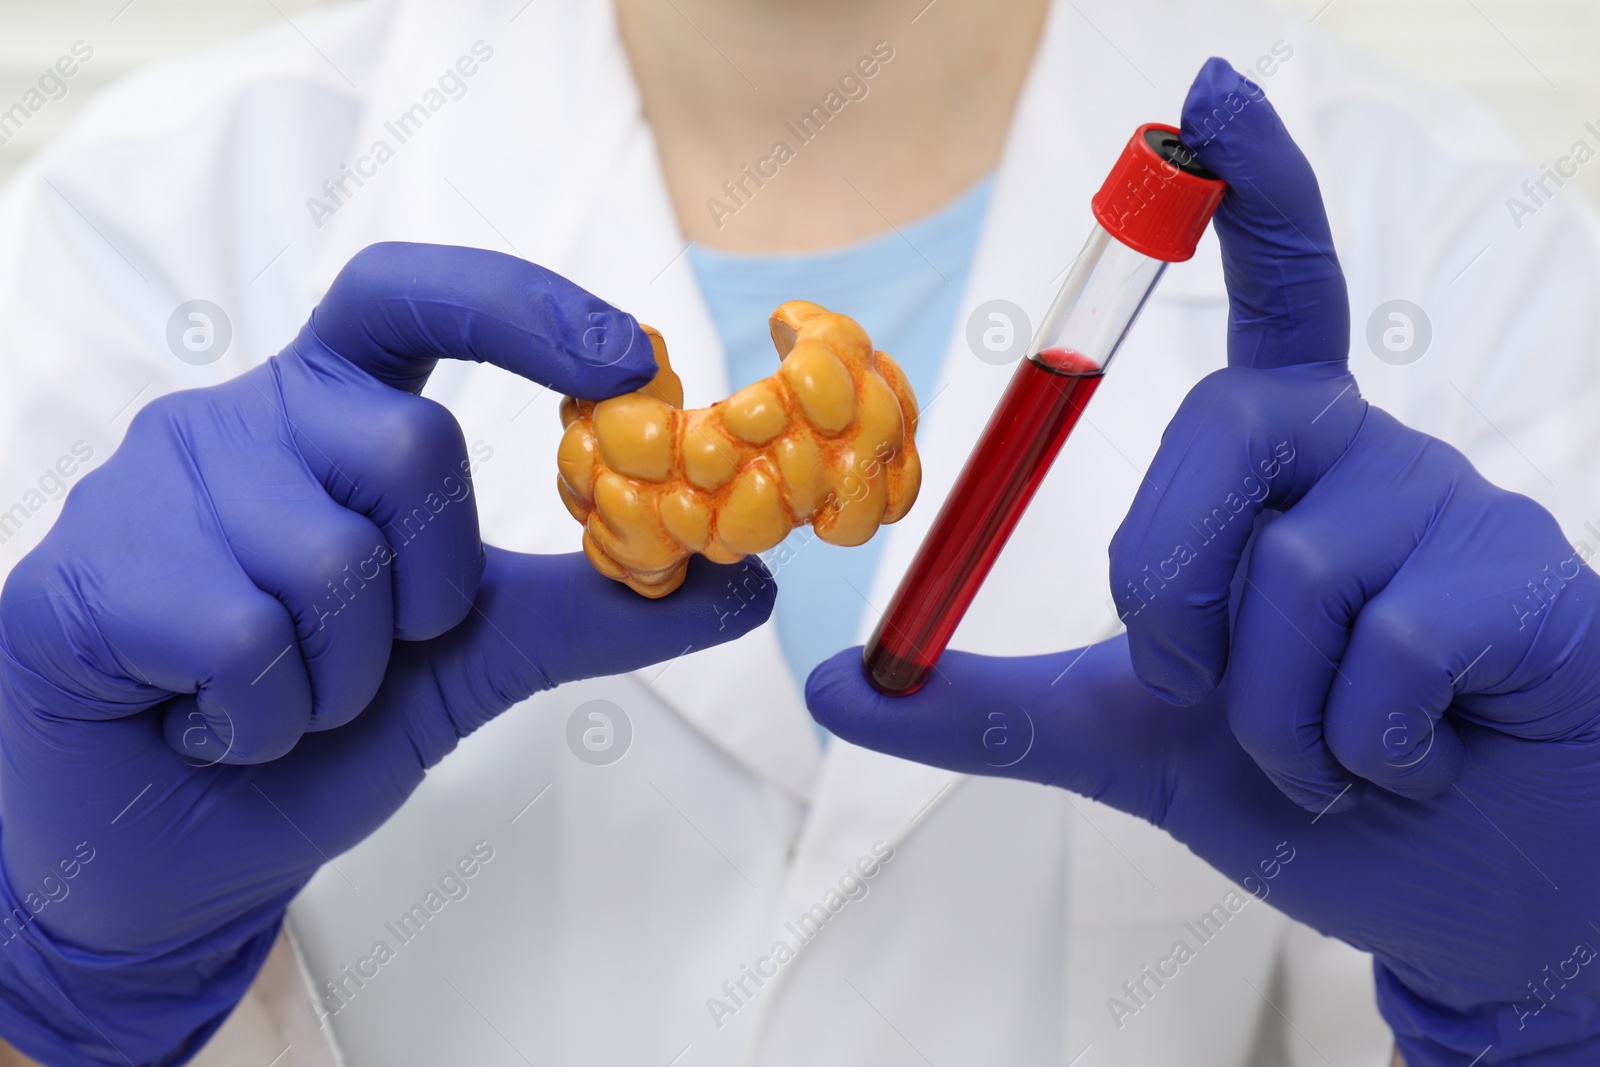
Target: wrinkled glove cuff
[{"x": 69, "y": 1007}]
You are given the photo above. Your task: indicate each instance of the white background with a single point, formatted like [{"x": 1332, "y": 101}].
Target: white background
[{"x": 1533, "y": 61}]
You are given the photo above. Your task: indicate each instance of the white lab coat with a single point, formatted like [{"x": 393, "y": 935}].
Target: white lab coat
[{"x": 625, "y": 896}]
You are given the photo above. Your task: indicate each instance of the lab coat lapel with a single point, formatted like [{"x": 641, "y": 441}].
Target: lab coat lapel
[
  {"x": 1058, "y": 150},
  {"x": 603, "y": 218},
  {"x": 1084, "y": 97},
  {"x": 864, "y": 797}
]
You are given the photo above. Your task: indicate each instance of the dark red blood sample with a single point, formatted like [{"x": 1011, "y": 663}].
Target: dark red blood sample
[{"x": 1022, "y": 439}]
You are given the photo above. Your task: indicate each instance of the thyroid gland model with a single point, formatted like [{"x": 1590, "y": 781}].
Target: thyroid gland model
[{"x": 827, "y": 440}]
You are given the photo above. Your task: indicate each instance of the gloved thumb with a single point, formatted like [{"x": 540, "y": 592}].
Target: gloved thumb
[
  {"x": 1079, "y": 720},
  {"x": 1259, "y": 434},
  {"x": 540, "y": 621},
  {"x": 1286, "y": 292}
]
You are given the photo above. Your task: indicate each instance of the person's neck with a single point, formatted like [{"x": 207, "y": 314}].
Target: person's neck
[{"x": 725, "y": 82}]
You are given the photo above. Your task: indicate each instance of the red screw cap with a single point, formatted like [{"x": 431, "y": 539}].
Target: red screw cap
[{"x": 1158, "y": 199}]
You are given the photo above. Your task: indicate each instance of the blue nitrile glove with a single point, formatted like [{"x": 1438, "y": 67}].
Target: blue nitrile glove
[
  {"x": 1403, "y": 623},
  {"x": 296, "y": 553}
]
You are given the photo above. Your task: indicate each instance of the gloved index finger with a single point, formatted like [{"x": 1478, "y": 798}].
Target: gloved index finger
[
  {"x": 1286, "y": 292},
  {"x": 396, "y": 309}
]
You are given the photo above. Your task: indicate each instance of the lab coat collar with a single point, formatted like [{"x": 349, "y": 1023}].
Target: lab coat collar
[
  {"x": 1081, "y": 101},
  {"x": 863, "y": 797}
]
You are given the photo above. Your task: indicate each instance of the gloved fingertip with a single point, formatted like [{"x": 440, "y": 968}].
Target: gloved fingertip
[
  {"x": 606, "y": 627},
  {"x": 1223, "y": 109},
  {"x": 840, "y": 698},
  {"x": 427, "y": 607},
  {"x": 1181, "y": 678},
  {"x": 1319, "y": 800},
  {"x": 1424, "y": 788},
  {"x": 1406, "y": 747},
  {"x": 203, "y": 742},
  {"x": 1179, "y": 692},
  {"x": 717, "y": 602},
  {"x": 1416, "y": 771},
  {"x": 616, "y": 354},
  {"x": 749, "y": 582},
  {"x": 1288, "y": 298},
  {"x": 1217, "y": 78},
  {"x": 836, "y": 688}
]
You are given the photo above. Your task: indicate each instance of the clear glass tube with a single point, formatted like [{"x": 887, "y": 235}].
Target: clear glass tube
[{"x": 1104, "y": 291}]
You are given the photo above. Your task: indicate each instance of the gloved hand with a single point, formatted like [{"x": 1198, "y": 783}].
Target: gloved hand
[
  {"x": 1399, "y": 677},
  {"x": 256, "y": 627}
]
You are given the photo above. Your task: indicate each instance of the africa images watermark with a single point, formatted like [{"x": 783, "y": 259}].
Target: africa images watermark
[
  {"x": 1536, "y": 192},
  {"x": 1546, "y": 991},
  {"x": 1136, "y": 596},
  {"x": 1139, "y": 991},
  {"x": 853, "y": 86},
  {"x": 739, "y": 991},
  {"x": 400, "y": 532},
  {"x": 52, "y": 889},
  {"x": 1265, "y": 67},
  {"x": 1543, "y": 590},
  {"x": 599, "y": 732},
  {"x": 451, "y": 85},
  {"x": 335, "y": 994},
  {"x": 51, "y": 485},
  {"x": 50, "y": 86}
]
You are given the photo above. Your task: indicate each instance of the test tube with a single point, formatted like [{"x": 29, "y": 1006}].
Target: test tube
[{"x": 1151, "y": 211}]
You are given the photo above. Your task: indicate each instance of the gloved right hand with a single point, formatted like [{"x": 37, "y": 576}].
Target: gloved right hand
[
  {"x": 1396, "y": 680},
  {"x": 254, "y": 629}
]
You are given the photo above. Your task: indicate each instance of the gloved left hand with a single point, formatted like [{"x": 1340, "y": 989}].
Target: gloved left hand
[
  {"x": 1398, "y": 679},
  {"x": 259, "y": 624}
]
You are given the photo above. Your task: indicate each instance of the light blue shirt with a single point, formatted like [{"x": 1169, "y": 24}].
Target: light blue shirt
[{"x": 904, "y": 288}]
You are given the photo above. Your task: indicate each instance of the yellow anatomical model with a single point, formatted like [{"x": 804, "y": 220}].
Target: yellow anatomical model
[{"x": 827, "y": 440}]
